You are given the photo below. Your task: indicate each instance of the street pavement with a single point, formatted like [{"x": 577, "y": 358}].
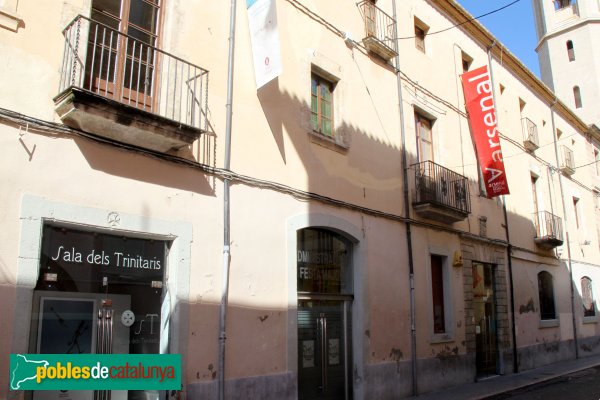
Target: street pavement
[
  {"x": 507, "y": 385},
  {"x": 581, "y": 385}
]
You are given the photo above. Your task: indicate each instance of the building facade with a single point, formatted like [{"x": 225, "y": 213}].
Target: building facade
[{"x": 362, "y": 258}]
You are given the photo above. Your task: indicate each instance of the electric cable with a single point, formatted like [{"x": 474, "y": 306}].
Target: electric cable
[{"x": 464, "y": 22}]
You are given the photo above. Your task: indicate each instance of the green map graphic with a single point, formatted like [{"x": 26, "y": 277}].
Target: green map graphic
[{"x": 23, "y": 370}]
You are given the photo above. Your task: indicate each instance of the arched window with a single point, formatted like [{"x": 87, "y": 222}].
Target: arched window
[
  {"x": 577, "y": 96},
  {"x": 570, "y": 50},
  {"x": 546, "y": 293},
  {"x": 587, "y": 297}
]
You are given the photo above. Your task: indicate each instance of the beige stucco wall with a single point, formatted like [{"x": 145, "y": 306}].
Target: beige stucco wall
[{"x": 272, "y": 142}]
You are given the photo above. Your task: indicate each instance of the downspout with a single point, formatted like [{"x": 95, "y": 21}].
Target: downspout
[
  {"x": 567, "y": 238},
  {"x": 509, "y": 245},
  {"x": 411, "y": 273},
  {"x": 226, "y": 206}
]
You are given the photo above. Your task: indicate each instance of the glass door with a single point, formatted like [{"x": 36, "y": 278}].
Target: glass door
[
  {"x": 484, "y": 309},
  {"x": 77, "y": 323},
  {"x": 323, "y": 349},
  {"x": 98, "y": 293}
]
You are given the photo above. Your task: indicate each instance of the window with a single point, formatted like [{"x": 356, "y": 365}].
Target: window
[
  {"x": 522, "y": 104},
  {"x": 546, "y": 294},
  {"x": 321, "y": 105},
  {"x": 587, "y": 297},
  {"x": 597, "y": 160},
  {"x": 437, "y": 293},
  {"x": 576, "y": 210},
  {"x": 577, "y": 96},
  {"x": 466, "y": 61},
  {"x": 424, "y": 138},
  {"x": 536, "y": 209},
  {"x": 570, "y": 50},
  {"x": 420, "y": 33},
  {"x": 559, "y": 4},
  {"x": 123, "y": 66}
]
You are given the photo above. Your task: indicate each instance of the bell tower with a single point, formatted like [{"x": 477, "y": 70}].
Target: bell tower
[{"x": 568, "y": 50}]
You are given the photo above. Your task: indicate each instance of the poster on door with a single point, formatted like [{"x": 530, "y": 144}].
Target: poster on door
[
  {"x": 333, "y": 349},
  {"x": 308, "y": 353}
]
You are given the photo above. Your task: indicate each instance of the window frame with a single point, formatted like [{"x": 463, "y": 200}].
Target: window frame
[
  {"x": 420, "y": 30},
  {"x": 123, "y": 88},
  {"x": 577, "y": 97},
  {"x": 586, "y": 285},
  {"x": 447, "y": 299},
  {"x": 437, "y": 294},
  {"x": 546, "y": 296},
  {"x": 577, "y": 212},
  {"x": 570, "y": 51},
  {"x": 321, "y": 81},
  {"x": 420, "y": 121}
]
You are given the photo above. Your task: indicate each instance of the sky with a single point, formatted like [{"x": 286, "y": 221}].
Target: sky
[{"x": 513, "y": 26}]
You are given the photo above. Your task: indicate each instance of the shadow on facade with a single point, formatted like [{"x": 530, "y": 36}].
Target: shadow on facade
[{"x": 139, "y": 168}]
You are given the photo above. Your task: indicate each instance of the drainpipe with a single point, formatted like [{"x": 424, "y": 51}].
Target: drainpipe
[
  {"x": 226, "y": 207},
  {"x": 508, "y": 248},
  {"x": 411, "y": 273},
  {"x": 564, "y": 207}
]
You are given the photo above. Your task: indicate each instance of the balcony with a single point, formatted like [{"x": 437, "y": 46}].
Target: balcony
[
  {"x": 548, "y": 230},
  {"x": 530, "y": 134},
  {"x": 441, "y": 194},
  {"x": 567, "y": 161},
  {"x": 118, "y": 87},
  {"x": 379, "y": 31}
]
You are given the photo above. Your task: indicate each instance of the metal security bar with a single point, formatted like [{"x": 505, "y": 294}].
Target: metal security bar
[
  {"x": 109, "y": 63},
  {"x": 547, "y": 225},
  {"x": 530, "y": 132},
  {"x": 378, "y": 24},
  {"x": 440, "y": 186}
]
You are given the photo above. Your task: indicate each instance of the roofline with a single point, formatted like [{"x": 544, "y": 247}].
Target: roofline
[{"x": 485, "y": 38}]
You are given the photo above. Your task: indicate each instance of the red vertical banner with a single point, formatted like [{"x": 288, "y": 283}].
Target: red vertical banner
[{"x": 477, "y": 86}]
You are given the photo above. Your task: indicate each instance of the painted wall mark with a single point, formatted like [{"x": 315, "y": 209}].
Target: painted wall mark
[
  {"x": 527, "y": 308},
  {"x": 447, "y": 353}
]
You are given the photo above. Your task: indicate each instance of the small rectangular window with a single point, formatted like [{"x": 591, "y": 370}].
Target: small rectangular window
[
  {"x": 570, "y": 50},
  {"x": 321, "y": 106},
  {"x": 437, "y": 292},
  {"x": 420, "y": 33},
  {"x": 597, "y": 160},
  {"x": 466, "y": 61},
  {"x": 576, "y": 209}
]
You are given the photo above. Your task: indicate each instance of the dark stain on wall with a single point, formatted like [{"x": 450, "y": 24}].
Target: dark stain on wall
[{"x": 529, "y": 307}]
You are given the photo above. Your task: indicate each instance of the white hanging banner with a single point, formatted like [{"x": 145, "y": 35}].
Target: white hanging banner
[{"x": 264, "y": 36}]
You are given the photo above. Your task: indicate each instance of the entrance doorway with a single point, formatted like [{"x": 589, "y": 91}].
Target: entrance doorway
[
  {"x": 324, "y": 315},
  {"x": 97, "y": 294},
  {"x": 484, "y": 310}
]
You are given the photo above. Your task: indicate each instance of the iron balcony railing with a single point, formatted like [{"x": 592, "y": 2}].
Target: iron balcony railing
[
  {"x": 547, "y": 226},
  {"x": 530, "y": 134},
  {"x": 109, "y": 63},
  {"x": 440, "y": 186},
  {"x": 378, "y": 25},
  {"x": 568, "y": 160}
]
